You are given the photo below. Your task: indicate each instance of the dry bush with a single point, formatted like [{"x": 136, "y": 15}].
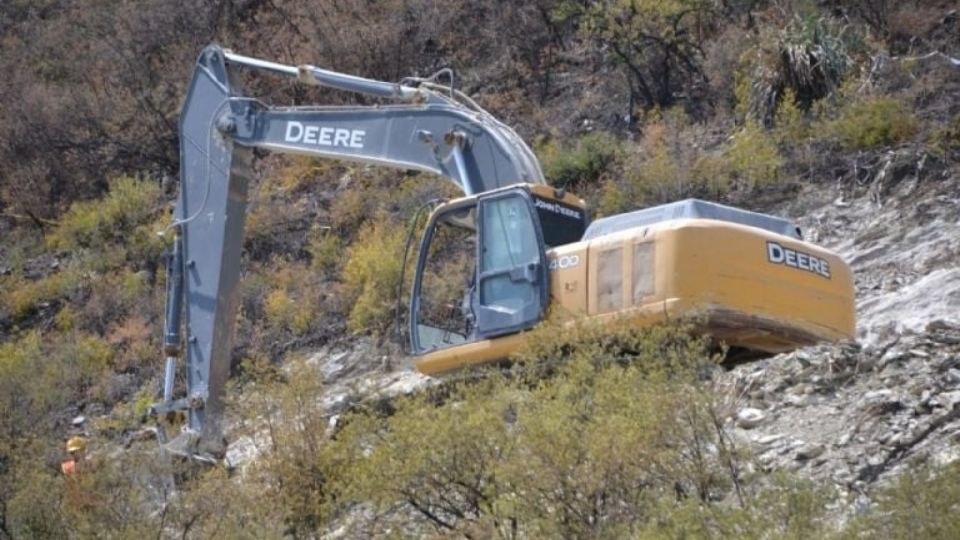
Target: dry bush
[
  {"x": 722, "y": 60},
  {"x": 371, "y": 273},
  {"x": 135, "y": 340},
  {"x": 904, "y": 27},
  {"x": 110, "y": 108},
  {"x": 75, "y": 119},
  {"x": 658, "y": 44}
]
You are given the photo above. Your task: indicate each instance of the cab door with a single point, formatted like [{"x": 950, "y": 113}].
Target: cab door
[
  {"x": 481, "y": 272},
  {"x": 511, "y": 283}
]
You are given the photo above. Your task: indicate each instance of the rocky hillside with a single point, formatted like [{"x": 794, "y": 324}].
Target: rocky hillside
[
  {"x": 851, "y": 417},
  {"x": 840, "y": 115},
  {"x": 855, "y": 416}
]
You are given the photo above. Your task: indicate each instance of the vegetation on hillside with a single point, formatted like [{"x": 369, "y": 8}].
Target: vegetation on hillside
[
  {"x": 600, "y": 434},
  {"x": 622, "y": 437}
]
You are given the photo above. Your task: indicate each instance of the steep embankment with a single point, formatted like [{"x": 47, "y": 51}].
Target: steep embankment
[
  {"x": 855, "y": 416},
  {"x": 848, "y": 416}
]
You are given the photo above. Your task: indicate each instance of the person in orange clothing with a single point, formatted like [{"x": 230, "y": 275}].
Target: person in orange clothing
[
  {"x": 76, "y": 446},
  {"x": 73, "y": 467}
]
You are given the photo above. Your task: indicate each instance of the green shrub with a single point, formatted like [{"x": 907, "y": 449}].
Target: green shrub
[
  {"x": 921, "y": 503},
  {"x": 371, "y": 273},
  {"x": 873, "y": 122},
  {"x": 285, "y": 312},
  {"x": 602, "y": 422},
  {"x": 22, "y": 297},
  {"x": 325, "y": 248},
  {"x": 714, "y": 172},
  {"x": 441, "y": 462},
  {"x": 753, "y": 156},
  {"x": 299, "y": 473},
  {"x": 653, "y": 171},
  {"x": 751, "y": 159},
  {"x": 34, "y": 510},
  {"x": 352, "y": 209},
  {"x": 582, "y": 160},
  {"x": 66, "y": 319},
  {"x": 791, "y": 126},
  {"x": 659, "y": 169},
  {"x": 809, "y": 55},
  {"x": 946, "y": 140},
  {"x": 300, "y": 172},
  {"x": 91, "y": 355},
  {"x": 562, "y": 337},
  {"x": 30, "y": 383},
  {"x": 612, "y": 201},
  {"x": 294, "y": 300},
  {"x": 128, "y": 204},
  {"x": 120, "y": 492},
  {"x": 677, "y": 159},
  {"x": 20, "y": 245},
  {"x": 786, "y": 507},
  {"x": 602, "y": 430},
  {"x": 217, "y": 505}
]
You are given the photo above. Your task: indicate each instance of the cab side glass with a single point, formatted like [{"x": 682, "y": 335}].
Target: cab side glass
[
  {"x": 512, "y": 276},
  {"x": 510, "y": 242},
  {"x": 444, "y": 316}
]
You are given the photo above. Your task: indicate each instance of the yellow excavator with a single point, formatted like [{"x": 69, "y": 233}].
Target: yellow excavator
[
  {"x": 749, "y": 279},
  {"x": 490, "y": 263}
]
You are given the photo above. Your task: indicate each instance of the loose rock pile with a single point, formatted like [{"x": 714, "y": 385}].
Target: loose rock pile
[{"x": 854, "y": 416}]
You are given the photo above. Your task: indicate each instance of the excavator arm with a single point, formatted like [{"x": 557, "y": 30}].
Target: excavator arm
[{"x": 425, "y": 126}]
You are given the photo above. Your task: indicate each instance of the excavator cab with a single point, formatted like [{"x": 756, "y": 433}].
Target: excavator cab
[{"x": 481, "y": 271}]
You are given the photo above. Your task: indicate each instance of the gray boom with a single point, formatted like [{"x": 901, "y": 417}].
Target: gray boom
[{"x": 431, "y": 128}]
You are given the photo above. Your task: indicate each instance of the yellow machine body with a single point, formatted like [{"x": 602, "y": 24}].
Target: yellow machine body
[{"x": 758, "y": 292}]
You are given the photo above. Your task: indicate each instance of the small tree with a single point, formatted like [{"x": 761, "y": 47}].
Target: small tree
[{"x": 658, "y": 43}]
